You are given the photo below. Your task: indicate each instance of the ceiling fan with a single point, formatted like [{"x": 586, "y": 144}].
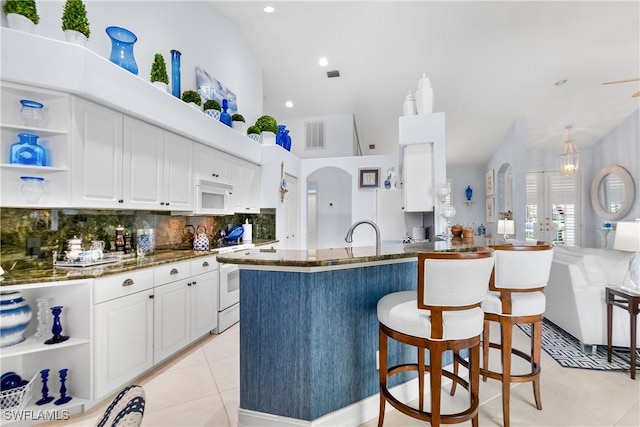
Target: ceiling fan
[{"x": 624, "y": 81}]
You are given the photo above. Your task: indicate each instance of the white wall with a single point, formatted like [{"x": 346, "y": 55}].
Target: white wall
[
  {"x": 621, "y": 146},
  {"x": 338, "y": 136},
  {"x": 461, "y": 177},
  {"x": 203, "y": 35},
  {"x": 511, "y": 150},
  {"x": 362, "y": 201}
]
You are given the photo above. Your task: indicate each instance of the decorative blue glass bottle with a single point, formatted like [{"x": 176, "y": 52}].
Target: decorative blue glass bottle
[
  {"x": 122, "y": 41},
  {"x": 225, "y": 117},
  {"x": 287, "y": 140},
  {"x": 469, "y": 192},
  {"x": 27, "y": 151},
  {"x": 175, "y": 73},
  {"x": 281, "y": 138}
]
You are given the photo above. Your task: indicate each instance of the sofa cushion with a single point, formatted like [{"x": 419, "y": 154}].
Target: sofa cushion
[{"x": 612, "y": 265}]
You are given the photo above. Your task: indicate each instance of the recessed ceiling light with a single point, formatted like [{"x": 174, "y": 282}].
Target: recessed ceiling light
[
  {"x": 288, "y": 104},
  {"x": 560, "y": 82},
  {"x": 269, "y": 9},
  {"x": 323, "y": 62}
]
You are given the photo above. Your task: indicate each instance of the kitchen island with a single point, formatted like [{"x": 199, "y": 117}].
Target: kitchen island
[{"x": 309, "y": 330}]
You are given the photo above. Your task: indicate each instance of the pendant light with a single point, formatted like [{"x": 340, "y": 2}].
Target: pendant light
[{"x": 570, "y": 157}]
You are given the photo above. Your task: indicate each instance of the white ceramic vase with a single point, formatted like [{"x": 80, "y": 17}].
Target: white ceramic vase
[
  {"x": 20, "y": 23},
  {"x": 161, "y": 85},
  {"x": 267, "y": 138},
  {"x": 240, "y": 126},
  {"x": 75, "y": 37},
  {"x": 15, "y": 315}
]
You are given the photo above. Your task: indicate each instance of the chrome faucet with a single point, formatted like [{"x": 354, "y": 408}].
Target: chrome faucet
[{"x": 349, "y": 237}]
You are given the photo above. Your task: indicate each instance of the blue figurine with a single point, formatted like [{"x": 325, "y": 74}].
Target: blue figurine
[
  {"x": 63, "y": 388},
  {"x": 225, "y": 117},
  {"x": 45, "y": 390}
]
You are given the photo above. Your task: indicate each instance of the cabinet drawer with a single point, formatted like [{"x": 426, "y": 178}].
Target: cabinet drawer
[
  {"x": 171, "y": 272},
  {"x": 203, "y": 265},
  {"x": 122, "y": 284}
]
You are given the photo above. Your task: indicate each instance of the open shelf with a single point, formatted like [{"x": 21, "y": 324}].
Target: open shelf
[{"x": 32, "y": 345}]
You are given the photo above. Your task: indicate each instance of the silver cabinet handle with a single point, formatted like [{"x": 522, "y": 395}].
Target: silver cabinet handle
[
  {"x": 205, "y": 264},
  {"x": 174, "y": 271},
  {"x": 127, "y": 282}
]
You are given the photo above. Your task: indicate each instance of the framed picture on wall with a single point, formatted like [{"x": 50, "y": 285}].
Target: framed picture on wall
[
  {"x": 491, "y": 210},
  {"x": 489, "y": 183},
  {"x": 368, "y": 178}
]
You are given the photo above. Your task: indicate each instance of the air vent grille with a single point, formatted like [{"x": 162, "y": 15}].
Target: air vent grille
[{"x": 314, "y": 135}]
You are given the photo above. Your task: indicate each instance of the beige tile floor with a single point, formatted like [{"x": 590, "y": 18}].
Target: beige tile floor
[{"x": 200, "y": 387}]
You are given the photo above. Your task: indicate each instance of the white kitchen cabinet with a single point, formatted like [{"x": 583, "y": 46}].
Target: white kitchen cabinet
[
  {"x": 97, "y": 155},
  {"x": 246, "y": 186},
  {"x": 122, "y": 162},
  {"x": 290, "y": 214},
  {"x": 31, "y": 356},
  {"x": 53, "y": 135},
  {"x": 204, "y": 296},
  {"x": 212, "y": 164},
  {"x": 172, "y": 320},
  {"x": 158, "y": 168},
  {"x": 418, "y": 178}
]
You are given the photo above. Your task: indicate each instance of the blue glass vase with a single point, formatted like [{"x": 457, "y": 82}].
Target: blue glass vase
[
  {"x": 469, "y": 192},
  {"x": 175, "y": 73},
  {"x": 122, "y": 41},
  {"x": 287, "y": 140},
  {"x": 27, "y": 151},
  {"x": 280, "y": 135},
  {"x": 225, "y": 117}
]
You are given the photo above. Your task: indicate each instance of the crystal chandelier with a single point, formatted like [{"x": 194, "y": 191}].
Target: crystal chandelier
[{"x": 570, "y": 157}]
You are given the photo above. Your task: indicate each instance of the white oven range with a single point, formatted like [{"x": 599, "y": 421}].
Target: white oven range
[{"x": 229, "y": 290}]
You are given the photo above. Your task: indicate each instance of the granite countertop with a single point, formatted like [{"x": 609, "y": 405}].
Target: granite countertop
[
  {"x": 343, "y": 256},
  {"x": 51, "y": 273}
]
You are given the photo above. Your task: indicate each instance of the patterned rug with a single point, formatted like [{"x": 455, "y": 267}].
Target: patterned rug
[{"x": 567, "y": 350}]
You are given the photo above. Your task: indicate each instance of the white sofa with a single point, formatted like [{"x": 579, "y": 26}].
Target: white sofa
[{"x": 575, "y": 293}]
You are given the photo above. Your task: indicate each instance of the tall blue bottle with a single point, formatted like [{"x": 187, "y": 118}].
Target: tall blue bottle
[
  {"x": 27, "y": 151},
  {"x": 175, "y": 73},
  {"x": 224, "y": 116}
]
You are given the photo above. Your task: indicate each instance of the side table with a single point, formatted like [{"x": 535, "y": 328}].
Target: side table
[{"x": 631, "y": 303}]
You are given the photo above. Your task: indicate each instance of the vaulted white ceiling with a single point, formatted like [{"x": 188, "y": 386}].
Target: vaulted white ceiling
[{"x": 489, "y": 63}]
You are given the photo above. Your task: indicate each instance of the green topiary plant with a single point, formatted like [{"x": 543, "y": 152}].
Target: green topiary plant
[
  {"x": 74, "y": 17},
  {"x": 253, "y": 130},
  {"x": 267, "y": 124},
  {"x": 191, "y": 96},
  {"x": 26, "y": 8},
  {"x": 212, "y": 104},
  {"x": 159, "y": 69},
  {"x": 237, "y": 118}
]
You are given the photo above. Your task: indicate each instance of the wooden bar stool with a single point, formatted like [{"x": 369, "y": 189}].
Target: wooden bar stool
[
  {"x": 515, "y": 298},
  {"x": 444, "y": 314}
]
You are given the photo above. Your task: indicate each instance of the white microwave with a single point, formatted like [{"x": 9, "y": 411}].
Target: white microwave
[{"x": 213, "y": 198}]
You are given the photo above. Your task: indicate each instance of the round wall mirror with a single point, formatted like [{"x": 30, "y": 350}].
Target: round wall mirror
[{"x": 612, "y": 192}]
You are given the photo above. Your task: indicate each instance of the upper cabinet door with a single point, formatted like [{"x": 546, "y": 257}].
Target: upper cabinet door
[
  {"x": 418, "y": 178},
  {"x": 96, "y": 155},
  {"x": 143, "y": 164},
  {"x": 178, "y": 172}
]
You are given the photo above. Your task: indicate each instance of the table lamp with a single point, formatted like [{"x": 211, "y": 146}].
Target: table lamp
[
  {"x": 628, "y": 239},
  {"x": 506, "y": 227}
]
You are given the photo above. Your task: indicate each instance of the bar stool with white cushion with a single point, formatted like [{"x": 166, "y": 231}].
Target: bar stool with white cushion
[
  {"x": 515, "y": 298},
  {"x": 444, "y": 314}
]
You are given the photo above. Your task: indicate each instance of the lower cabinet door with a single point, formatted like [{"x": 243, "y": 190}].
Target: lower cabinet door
[
  {"x": 124, "y": 341},
  {"x": 171, "y": 318},
  {"x": 204, "y": 304}
]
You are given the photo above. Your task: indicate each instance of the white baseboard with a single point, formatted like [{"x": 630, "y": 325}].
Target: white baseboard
[{"x": 352, "y": 415}]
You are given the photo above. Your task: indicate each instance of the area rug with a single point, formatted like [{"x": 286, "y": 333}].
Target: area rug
[{"x": 567, "y": 350}]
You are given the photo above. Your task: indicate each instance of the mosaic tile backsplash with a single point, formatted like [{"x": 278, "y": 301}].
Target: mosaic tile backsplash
[{"x": 28, "y": 237}]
